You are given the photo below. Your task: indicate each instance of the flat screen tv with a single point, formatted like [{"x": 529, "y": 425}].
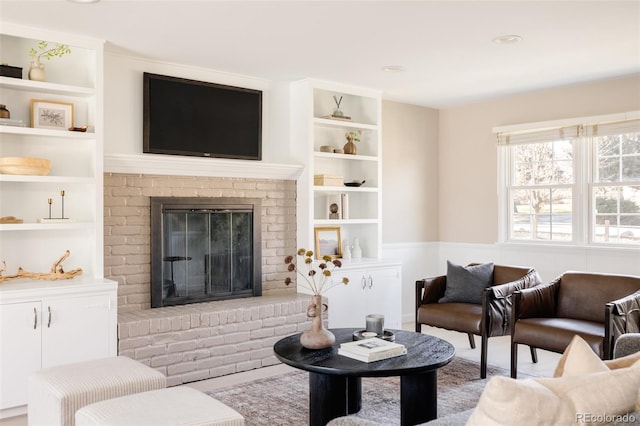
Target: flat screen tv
[{"x": 188, "y": 117}]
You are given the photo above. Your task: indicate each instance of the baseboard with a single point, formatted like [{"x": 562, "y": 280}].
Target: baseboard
[{"x": 13, "y": 412}]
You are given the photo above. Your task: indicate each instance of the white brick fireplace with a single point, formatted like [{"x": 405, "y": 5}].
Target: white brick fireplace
[{"x": 204, "y": 340}]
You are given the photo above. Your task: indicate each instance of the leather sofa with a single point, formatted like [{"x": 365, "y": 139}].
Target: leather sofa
[
  {"x": 488, "y": 319},
  {"x": 597, "y": 307}
]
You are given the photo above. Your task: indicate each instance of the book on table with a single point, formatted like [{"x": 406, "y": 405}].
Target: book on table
[{"x": 373, "y": 349}]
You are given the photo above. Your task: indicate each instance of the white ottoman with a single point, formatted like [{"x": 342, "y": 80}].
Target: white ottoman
[
  {"x": 175, "y": 406},
  {"x": 56, "y": 393}
]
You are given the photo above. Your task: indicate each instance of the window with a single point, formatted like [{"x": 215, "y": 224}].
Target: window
[
  {"x": 616, "y": 186},
  {"x": 541, "y": 191},
  {"x": 577, "y": 184}
]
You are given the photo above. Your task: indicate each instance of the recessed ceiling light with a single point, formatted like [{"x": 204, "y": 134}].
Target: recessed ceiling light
[
  {"x": 394, "y": 68},
  {"x": 507, "y": 39}
]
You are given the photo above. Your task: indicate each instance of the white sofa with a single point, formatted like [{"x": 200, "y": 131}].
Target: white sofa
[{"x": 584, "y": 388}]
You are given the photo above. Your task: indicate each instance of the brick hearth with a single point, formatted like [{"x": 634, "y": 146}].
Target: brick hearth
[{"x": 205, "y": 340}]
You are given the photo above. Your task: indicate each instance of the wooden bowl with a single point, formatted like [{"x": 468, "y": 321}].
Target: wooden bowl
[{"x": 24, "y": 166}]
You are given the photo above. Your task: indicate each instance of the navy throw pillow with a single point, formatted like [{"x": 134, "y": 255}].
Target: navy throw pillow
[{"x": 466, "y": 283}]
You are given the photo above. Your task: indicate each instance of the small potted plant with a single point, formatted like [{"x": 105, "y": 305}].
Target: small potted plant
[
  {"x": 36, "y": 70},
  {"x": 350, "y": 146}
]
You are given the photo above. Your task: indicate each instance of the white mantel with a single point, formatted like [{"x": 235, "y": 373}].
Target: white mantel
[{"x": 158, "y": 164}]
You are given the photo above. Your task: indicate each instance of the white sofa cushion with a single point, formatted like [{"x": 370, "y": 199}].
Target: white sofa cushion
[{"x": 585, "y": 391}]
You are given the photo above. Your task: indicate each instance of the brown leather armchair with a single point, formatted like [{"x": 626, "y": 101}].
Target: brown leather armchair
[
  {"x": 491, "y": 318},
  {"x": 597, "y": 307}
]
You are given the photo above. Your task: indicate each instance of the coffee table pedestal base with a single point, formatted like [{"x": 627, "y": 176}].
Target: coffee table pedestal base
[
  {"x": 418, "y": 398},
  {"x": 332, "y": 396}
]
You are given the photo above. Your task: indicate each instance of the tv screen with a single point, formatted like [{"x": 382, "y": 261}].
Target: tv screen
[{"x": 188, "y": 117}]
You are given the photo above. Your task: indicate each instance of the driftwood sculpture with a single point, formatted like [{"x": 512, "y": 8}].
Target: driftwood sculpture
[{"x": 56, "y": 272}]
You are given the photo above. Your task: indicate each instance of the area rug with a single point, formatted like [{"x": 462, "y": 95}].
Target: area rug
[{"x": 284, "y": 399}]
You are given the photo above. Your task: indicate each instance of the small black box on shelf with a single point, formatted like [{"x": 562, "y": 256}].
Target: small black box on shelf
[{"x": 9, "y": 71}]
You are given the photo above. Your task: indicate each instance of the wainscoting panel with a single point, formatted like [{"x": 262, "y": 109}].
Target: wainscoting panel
[
  {"x": 419, "y": 260},
  {"x": 550, "y": 261}
]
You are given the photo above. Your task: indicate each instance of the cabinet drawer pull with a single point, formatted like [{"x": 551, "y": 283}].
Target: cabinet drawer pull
[
  {"x": 35, "y": 318},
  {"x": 370, "y": 282},
  {"x": 364, "y": 282},
  {"x": 49, "y": 321}
]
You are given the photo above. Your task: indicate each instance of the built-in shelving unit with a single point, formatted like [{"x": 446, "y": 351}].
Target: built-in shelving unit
[
  {"x": 81, "y": 312},
  {"x": 312, "y": 103},
  {"x": 76, "y": 157},
  {"x": 375, "y": 283}
]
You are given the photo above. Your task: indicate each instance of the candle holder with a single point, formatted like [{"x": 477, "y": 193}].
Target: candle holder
[
  {"x": 56, "y": 219},
  {"x": 62, "y": 198}
]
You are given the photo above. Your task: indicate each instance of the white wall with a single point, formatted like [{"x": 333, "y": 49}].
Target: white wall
[
  {"x": 409, "y": 173},
  {"x": 466, "y": 185},
  {"x": 410, "y": 193},
  {"x": 123, "y": 104}
]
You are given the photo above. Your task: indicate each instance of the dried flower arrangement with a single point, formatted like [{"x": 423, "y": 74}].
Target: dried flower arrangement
[{"x": 326, "y": 267}]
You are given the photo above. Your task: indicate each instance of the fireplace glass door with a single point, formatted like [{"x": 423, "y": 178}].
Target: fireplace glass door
[{"x": 206, "y": 254}]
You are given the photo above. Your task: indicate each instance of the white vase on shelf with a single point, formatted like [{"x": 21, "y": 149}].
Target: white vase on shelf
[
  {"x": 36, "y": 71},
  {"x": 356, "y": 253},
  {"x": 346, "y": 255}
]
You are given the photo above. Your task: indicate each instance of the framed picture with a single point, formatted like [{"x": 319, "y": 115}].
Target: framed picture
[
  {"x": 51, "y": 115},
  {"x": 328, "y": 242}
]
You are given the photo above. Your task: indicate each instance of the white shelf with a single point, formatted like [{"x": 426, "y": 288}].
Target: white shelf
[
  {"x": 344, "y": 189},
  {"x": 28, "y": 131},
  {"x": 45, "y": 226},
  {"x": 336, "y": 222},
  {"x": 343, "y": 124},
  {"x": 45, "y": 87},
  {"x": 349, "y": 157},
  {"x": 48, "y": 179}
]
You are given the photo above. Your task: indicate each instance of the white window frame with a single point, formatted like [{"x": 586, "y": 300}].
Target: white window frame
[
  {"x": 594, "y": 133},
  {"x": 584, "y": 163}
]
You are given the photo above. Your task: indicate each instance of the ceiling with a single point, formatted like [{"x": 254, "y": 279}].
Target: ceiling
[{"x": 446, "y": 46}]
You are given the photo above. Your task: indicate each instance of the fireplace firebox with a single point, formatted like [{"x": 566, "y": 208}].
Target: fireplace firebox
[{"x": 204, "y": 249}]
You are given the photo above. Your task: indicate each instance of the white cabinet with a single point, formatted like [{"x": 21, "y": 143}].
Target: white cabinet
[
  {"x": 313, "y": 129},
  {"x": 374, "y": 288},
  {"x": 47, "y": 324},
  {"x": 77, "y": 328},
  {"x": 20, "y": 351}
]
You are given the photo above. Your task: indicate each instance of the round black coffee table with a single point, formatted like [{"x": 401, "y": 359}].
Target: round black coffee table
[{"x": 335, "y": 387}]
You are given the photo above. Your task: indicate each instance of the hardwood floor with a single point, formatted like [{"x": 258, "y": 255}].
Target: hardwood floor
[{"x": 499, "y": 355}]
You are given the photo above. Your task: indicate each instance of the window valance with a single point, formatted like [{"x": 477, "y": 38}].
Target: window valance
[{"x": 627, "y": 122}]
